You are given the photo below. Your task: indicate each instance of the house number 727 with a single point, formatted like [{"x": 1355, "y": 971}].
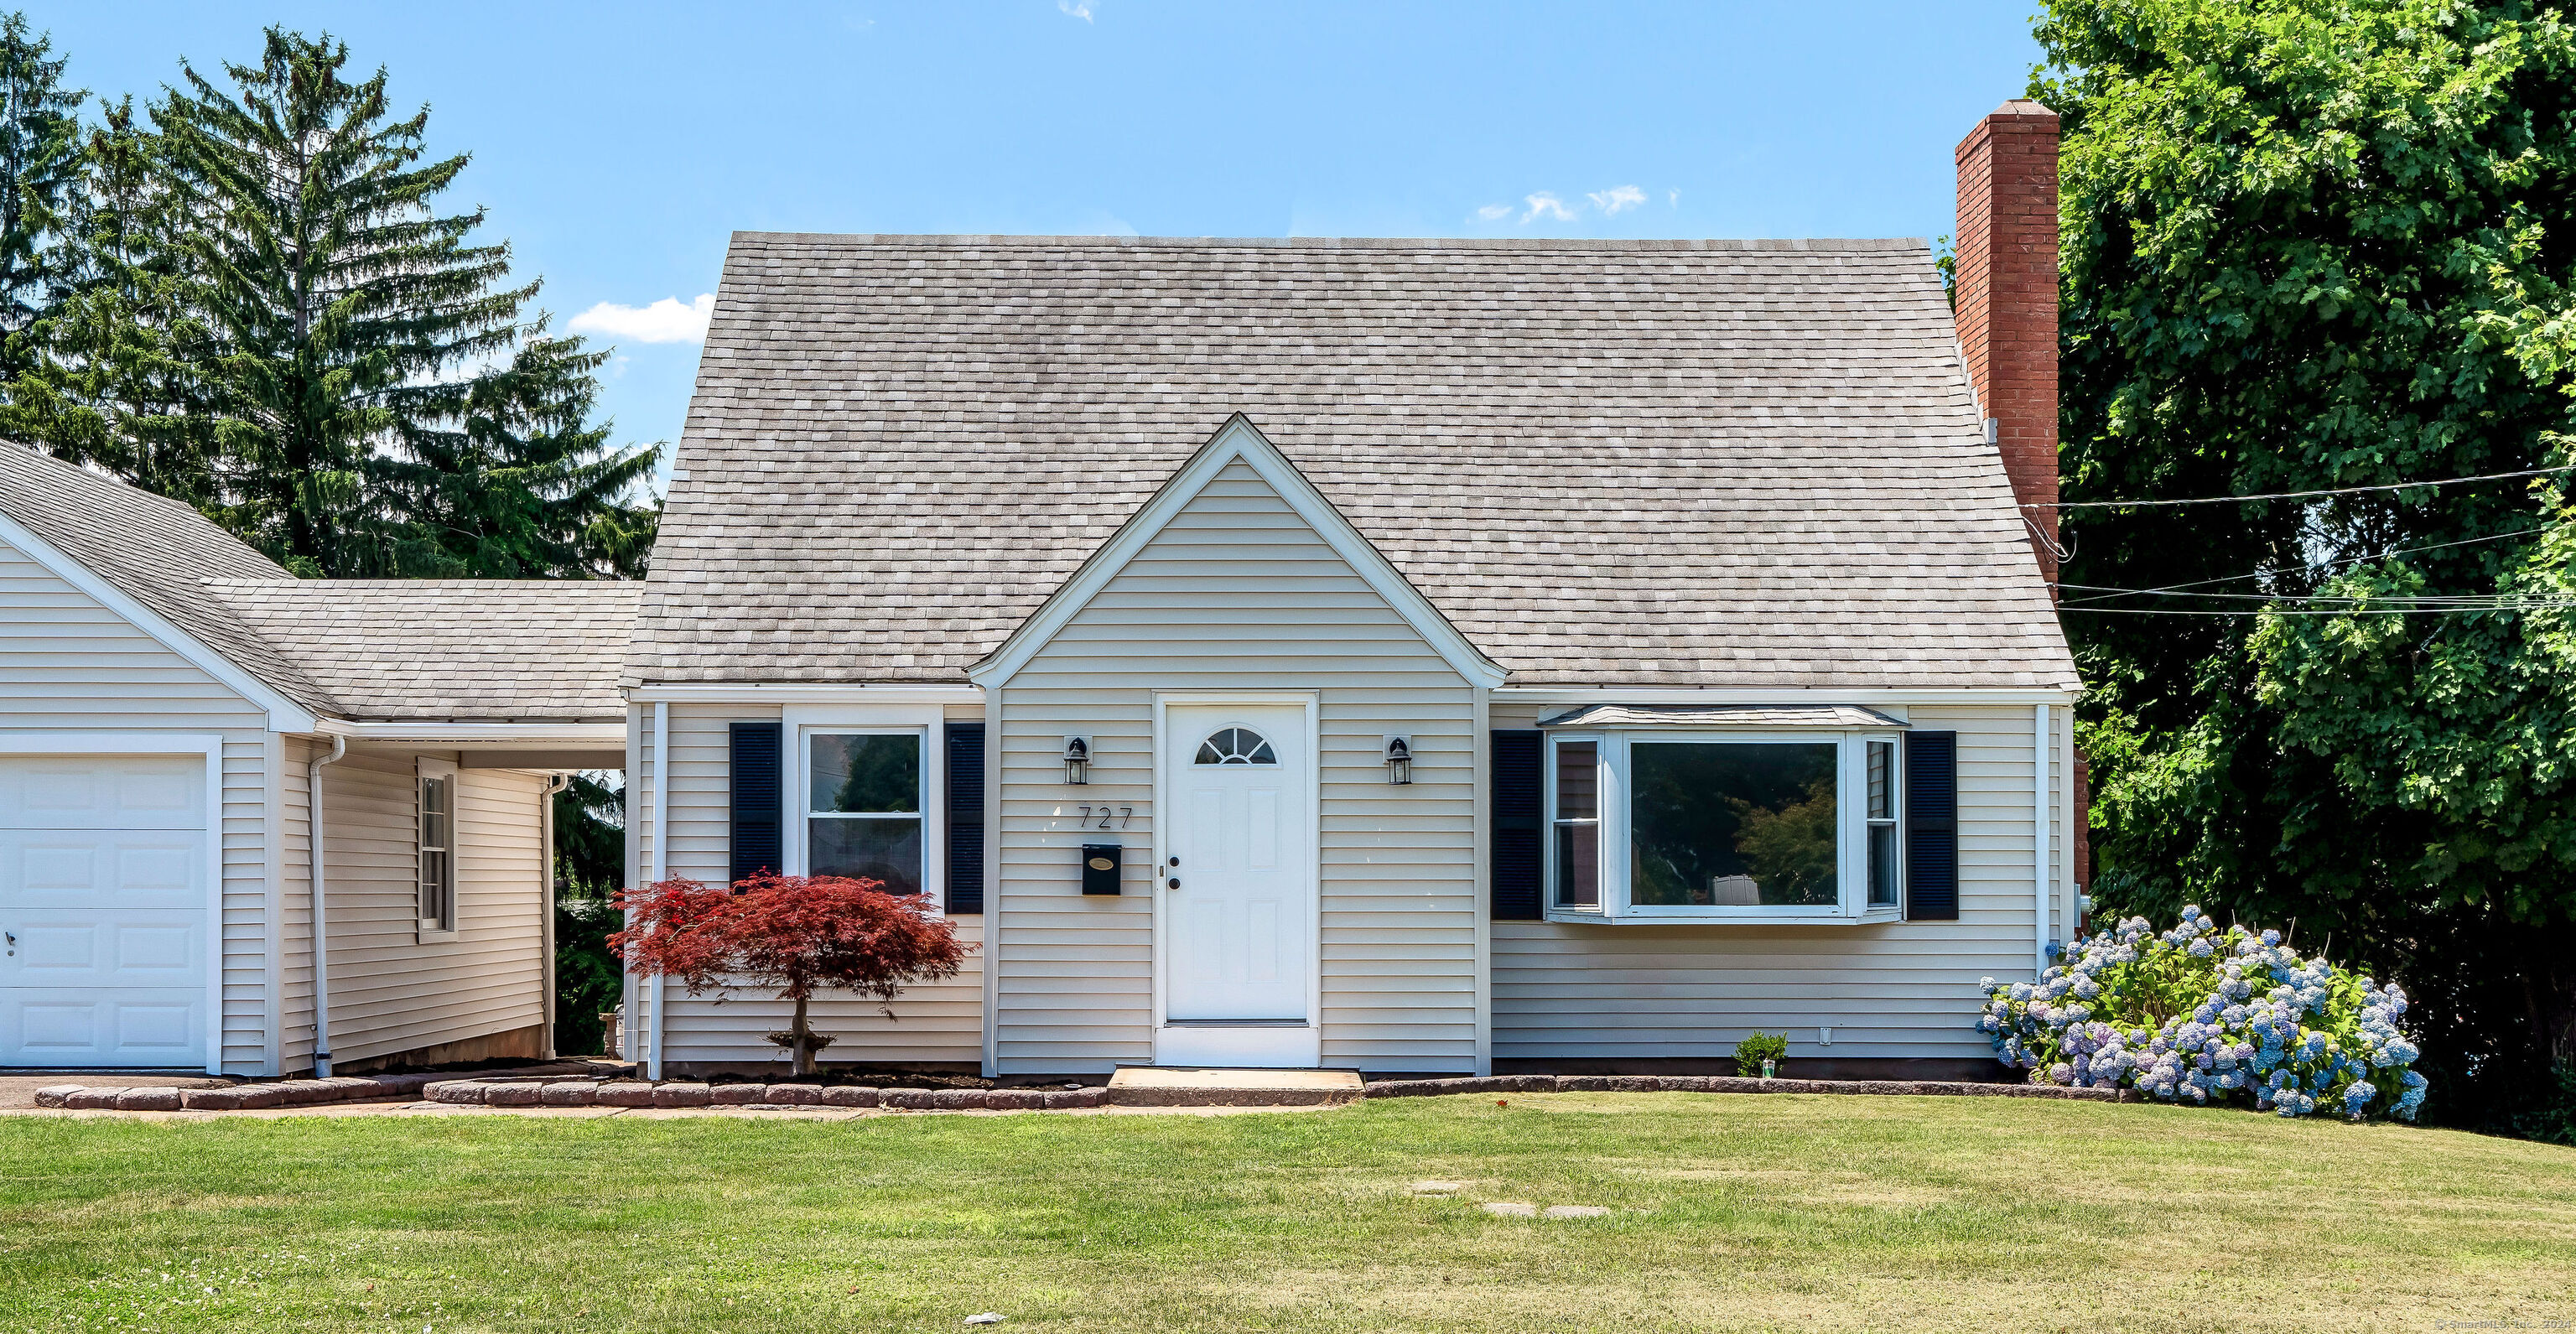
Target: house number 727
[{"x": 1122, "y": 814}]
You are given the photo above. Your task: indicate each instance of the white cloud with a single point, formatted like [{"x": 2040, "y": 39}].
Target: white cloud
[
  {"x": 1547, "y": 204},
  {"x": 1673, "y": 197},
  {"x": 1494, "y": 212},
  {"x": 1080, "y": 9},
  {"x": 1618, "y": 199},
  {"x": 665, "y": 321}
]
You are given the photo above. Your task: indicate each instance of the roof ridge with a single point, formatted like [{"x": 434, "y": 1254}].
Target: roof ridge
[{"x": 1036, "y": 240}]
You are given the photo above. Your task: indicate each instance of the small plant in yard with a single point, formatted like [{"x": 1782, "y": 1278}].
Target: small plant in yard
[
  {"x": 2206, "y": 1015},
  {"x": 1761, "y": 1054},
  {"x": 800, "y": 934}
]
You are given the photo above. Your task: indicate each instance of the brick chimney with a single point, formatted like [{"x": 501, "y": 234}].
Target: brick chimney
[{"x": 2007, "y": 298}]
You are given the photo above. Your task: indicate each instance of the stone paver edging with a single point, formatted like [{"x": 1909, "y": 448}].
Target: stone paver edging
[
  {"x": 564, "y": 1090},
  {"x": 1424, "y": 1088}
]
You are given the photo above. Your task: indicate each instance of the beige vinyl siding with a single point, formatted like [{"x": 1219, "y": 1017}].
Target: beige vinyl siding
[
  {"x": 1237, "y": 593},
  {"x": 391, "y": 991},
  {"x": 69, "y": 663},
  {"x": 1904, "y": 989},
  {"x": 938, "y": 1023}
]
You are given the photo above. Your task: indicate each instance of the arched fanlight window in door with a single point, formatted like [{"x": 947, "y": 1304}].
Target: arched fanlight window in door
[{"x": 1235, "y": 745}]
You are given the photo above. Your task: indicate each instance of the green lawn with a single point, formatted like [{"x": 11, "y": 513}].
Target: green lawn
[{"x": 1768, "y": 1212}]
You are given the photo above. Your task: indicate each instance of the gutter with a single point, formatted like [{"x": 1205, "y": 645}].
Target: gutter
[{"x": 321, "y": 930}]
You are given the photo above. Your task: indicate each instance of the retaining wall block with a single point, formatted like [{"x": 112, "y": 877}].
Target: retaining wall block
[
  {"x": 958, "y": 1100},
  {"x": 625, "y": 1093},
  {"x": 582, "y": 1094},
  {"x": 92, "y": 1099},
  {"x": 792, "y": 1095},
  {"x": 148, "y": 1100},
  {"x": 845, "y": 1095},
  {"x": 680, "y": 1095},
  {"x": 53, "y": 1095},
  {"x": 733, "y": 1095},
  {"x": 1016, "y": 1100},
  {"x": 513, "y": 1095},
  {"x": 1059, "y": 1099}
]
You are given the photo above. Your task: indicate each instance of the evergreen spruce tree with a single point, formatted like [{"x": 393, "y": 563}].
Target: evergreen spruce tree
[
  {"x": 40, "y": 162},
  {"x": 110, "y": 382},
  {"x": 523, "y": 484},
  {"x": 349, "y": 314}
]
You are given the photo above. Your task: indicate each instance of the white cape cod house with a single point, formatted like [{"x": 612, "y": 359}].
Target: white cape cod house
[
  {"x": 1394, "y": 655},
  {"x": 1409, "y": 656}
]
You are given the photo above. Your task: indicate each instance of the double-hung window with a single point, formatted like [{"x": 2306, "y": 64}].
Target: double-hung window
[
  {"x": 1665, "y": 823},
  {"x": 863, "y": 806},
  {"x": 435, "y": 844}
]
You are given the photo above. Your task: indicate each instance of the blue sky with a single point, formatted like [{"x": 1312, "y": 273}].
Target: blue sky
[{"x": 616, "y": 146}]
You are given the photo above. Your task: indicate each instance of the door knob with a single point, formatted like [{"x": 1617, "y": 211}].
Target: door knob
[{"x": 1174, "y": 882}]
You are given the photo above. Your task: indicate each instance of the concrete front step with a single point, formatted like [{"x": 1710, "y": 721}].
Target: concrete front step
[{"x": 1166, "y": 1086}]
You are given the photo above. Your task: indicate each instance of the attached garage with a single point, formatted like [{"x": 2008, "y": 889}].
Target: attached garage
[{"x": 106, "y": 869}]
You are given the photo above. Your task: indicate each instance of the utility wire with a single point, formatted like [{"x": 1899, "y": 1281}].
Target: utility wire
[
  {"x": 2343, "y": 611},
  {"x": 2293, "y": 495},
  {"x": 2109, "y": 592}
]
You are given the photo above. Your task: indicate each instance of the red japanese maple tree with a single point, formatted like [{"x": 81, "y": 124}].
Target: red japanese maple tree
[{"x": 797, "y": 933}]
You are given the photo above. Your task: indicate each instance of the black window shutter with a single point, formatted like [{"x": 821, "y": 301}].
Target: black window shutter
[
  {"x": 965, "y": 818},
  {"x": 1932, "y": 826},
  {"x": 1519, "y": 806},
  {"x": 755, "y": 775}
]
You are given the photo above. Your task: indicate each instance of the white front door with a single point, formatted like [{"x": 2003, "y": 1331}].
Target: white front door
[
  {"x": 1238, "y": 886},
  {"x": 103, "y": 865}
]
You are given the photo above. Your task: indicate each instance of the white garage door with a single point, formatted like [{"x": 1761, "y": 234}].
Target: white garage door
[{"x": 103, "y": 893}]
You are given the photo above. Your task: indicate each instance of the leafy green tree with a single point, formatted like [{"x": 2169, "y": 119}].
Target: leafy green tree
[
  {"x": 40, "y": 159},
  {"x": 351, "y": 317},
  {"x": 2315, "y": 245},
  {"x": 110, "y": 381}
]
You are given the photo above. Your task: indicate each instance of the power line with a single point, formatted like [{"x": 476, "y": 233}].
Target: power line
[
  {"x": 2293, "y": 495},
  {"x": 2110, "y": 592},
  {"x": 2337, "y": 611}
]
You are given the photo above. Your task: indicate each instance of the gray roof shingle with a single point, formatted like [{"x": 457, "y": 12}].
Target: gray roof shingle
[
  {"x": 1637, "y": 463},
  {"x": 460, "y": 650},
  {"x": 451, "y": 650}
]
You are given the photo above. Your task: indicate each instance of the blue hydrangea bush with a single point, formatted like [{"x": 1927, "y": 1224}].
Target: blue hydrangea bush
[{"x": 2209, "y": 1015}]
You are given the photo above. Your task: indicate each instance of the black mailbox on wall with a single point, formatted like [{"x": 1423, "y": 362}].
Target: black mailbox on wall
[{"x": 1099, "y": 868}]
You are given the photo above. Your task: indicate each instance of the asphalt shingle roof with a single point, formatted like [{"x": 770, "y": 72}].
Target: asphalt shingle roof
[
  {"x": 396, "y": 650},
  {"x": 1694, "y": 463},
  {"x": 450, "y": 650}
]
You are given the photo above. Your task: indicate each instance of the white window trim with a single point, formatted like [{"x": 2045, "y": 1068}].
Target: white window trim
[
  {"x": 1851, "y": 906},
  {"x": 922, "y": 720},
  {"x": 428, "y": 929}
]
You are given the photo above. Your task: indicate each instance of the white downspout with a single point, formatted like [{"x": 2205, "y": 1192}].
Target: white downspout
[
  {"x": 321, "y": 932},
  {"x": 660, "y": 862},
  {"x": 546, "y": 908},
  {"x": 2039, "y": 839}
]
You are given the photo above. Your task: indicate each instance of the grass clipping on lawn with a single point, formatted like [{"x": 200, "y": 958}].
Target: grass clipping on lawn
[{"x": 1759, "y": 1212}]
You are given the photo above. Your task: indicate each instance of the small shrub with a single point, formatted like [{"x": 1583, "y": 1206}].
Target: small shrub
[
  {"x": 1760, "y": 1047},
  {"x": 2205, "y": 1015}
]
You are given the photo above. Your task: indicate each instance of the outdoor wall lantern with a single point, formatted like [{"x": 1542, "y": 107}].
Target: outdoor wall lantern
[
  {"x": 1399, "y": 760},
  {"x": 1077, "y": 760}
]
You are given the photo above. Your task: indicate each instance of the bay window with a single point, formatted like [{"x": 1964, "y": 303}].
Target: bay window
[
  {"x": 1667, "y": 823},
  {"x": 863, "y": 808}
]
